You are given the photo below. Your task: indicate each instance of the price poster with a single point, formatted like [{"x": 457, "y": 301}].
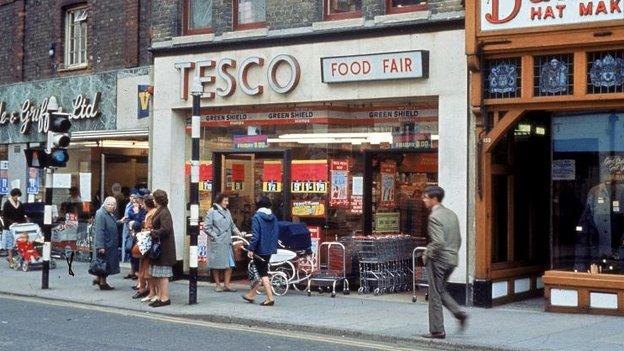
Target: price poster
[
  {"x": 205, "y": 174},
  {"x": 238, "y": 175},
  {"x": 315, "y": 231},
  {"x": 357, "y": 193},
  {"x": 388, "y": 174},
  {"x": 387, "y": 222},
  {"x": 339, "y": 183},
  {"x": 33, "y": 181},
  {"x": 309, "y": 177},
  {"x": 272, "y": 176},
  {"x": 4, "y": 177},
  {"x": 308, "y": 209},
  {"x": 202, "y": 244}
]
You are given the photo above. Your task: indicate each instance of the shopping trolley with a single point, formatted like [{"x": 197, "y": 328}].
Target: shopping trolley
[
  {"x": 421, "y": 279},
  {"x": 332, "y": 268}
]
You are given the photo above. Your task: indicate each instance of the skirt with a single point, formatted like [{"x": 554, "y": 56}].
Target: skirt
[{"x": 161, "y": 271}]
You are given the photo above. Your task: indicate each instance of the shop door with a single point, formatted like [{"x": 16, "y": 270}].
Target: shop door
[{"x": 246, "y": 176}]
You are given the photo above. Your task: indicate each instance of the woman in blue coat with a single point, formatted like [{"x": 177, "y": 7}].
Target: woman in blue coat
[
  {"x": 262, "y": 245},
  {"x": 106, "y": 240}
]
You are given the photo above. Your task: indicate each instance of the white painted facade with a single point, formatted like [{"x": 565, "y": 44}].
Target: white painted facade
[{"x": 447, "y": 81}]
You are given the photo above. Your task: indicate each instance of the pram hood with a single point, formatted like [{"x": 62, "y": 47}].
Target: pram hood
[{"x": 294, "y": 236}]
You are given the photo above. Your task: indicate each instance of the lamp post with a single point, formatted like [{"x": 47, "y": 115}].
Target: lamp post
[
  {"x": 196, "y": 92},
  {"x": 47, "y": 214}
]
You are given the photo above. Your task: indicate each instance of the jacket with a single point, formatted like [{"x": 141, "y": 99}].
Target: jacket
[
  {"x": 137, "y": 218},
  {"x": 219, "y": 227},
  {"x": 444, "y": 235},
  {"x": 11, "y": 214},
  {"x": 265, "y": 233},
  {"x": 163, "y": 229}
]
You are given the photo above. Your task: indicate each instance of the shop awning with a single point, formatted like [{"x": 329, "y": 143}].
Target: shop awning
[{"x": 110, "y": 134}]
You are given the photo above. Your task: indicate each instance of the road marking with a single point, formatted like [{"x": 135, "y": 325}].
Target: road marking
[{"x": 343, "y": 341}]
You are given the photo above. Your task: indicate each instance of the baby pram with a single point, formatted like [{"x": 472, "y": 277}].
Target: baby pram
[{"x": 28, "y": 246}]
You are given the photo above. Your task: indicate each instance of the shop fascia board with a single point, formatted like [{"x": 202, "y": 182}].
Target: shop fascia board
[{"x": 293, "y": 36}]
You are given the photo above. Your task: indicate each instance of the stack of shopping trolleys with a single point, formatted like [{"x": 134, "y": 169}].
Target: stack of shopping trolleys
[{"x": 385, "y": 263}]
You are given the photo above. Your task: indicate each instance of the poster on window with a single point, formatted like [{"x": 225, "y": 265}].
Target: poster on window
[
  {"x": 4, "y": 177},
  {"x": 388, "y": 174},
  {"x": 339, "y": 183},
  {"x": 205, "y": 174},
  {"x": 272, "y": 176},
  {"x": 309, "y": 177},
  {"x": 238, "y": 176},
  {"x": 308, "y": 209},
  {"x": 387, "y": 222},
  {"x": 33, "y": 181},
  {"x": 357, "y": 193}
]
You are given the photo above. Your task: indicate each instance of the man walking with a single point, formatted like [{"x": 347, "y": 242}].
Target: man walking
[{"x": 441, "y": 259}]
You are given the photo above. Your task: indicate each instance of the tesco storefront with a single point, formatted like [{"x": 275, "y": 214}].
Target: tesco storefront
[{"x": 341, "y": 135}]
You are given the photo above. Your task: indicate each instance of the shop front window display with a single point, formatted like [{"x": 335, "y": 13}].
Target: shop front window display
[
  {"x": 343, "y": 171},
  {"x": 588, "y": 192}
]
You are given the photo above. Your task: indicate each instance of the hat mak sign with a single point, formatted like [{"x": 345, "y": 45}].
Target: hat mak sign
[{"x": 521, "y": 14}]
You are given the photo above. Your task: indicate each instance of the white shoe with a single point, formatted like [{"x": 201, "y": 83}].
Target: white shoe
[
  {"x": 154, "y": 299},
  {"x": 145, "y": 299}
]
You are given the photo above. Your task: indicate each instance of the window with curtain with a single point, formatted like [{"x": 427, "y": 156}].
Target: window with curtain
[
  {"x": 198, "y": 16},
  {"x": 343, "y": 8},
  {"x": 250, "y": 13},
  {"x": 405, "y": 5}
]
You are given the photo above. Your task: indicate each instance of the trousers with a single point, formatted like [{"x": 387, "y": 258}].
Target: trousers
[{"x": 438, "y": 295}]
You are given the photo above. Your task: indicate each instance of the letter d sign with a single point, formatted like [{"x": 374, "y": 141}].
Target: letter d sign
[{"x": 494, "y": 16}]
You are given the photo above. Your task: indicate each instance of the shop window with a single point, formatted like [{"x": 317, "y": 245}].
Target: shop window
[
  {"x": 605, "y": 72},
  {"x": 503, "y": 78},
  {"x": 341, "y": 9},
  {"x": 553, "y": 75},
  {"x": 249, "y": 14},
  {"x": 588, "y": 192},
  {"x": 399, "y": 6},
  {"x": 197, "y": 16},
  {"x": 75, "y": 37}
]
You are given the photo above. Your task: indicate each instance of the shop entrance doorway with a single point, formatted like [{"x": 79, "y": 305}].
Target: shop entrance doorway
[{"x": 247, "y": 175}]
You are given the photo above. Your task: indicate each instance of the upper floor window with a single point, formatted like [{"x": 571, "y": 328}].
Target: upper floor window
[
  {"x": 75, "y": 37},
  {"x": 197, "y": 16},
  {"x": 399, "y": 6},
  {"x": 341, "y": 9},
  {"x": 249, "y": 14}
]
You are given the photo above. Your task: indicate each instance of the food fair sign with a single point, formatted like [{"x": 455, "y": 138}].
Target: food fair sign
[
  {"x": 395, "y": 65},
  {"x": 519, "y": 14}
]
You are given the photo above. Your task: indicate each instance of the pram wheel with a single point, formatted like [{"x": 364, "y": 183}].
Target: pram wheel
[
  {"x": 25, "y": 266},
  {"x": 346, "y": 292},
  {"x": 279, "y": 282},
  {"x": 377, "y": 291},
  {"x": 52, "y": 264},
  {"x": 414, "y": 299},
  {"x": 361, "y": 290},
  {"x": 333, "y": 294}
]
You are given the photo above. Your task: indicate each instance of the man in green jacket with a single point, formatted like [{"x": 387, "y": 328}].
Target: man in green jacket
[{"x": 441, "y": 259}]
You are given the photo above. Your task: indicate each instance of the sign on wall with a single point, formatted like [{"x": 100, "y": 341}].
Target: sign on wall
[
  {"x": 518, "y": 14},
  {"x": 309, "y": 176},
  {"x": 144, "y": 96},
  {"x": 339, "y": 183},
  {"x": 394, "y": 65},
  {"x": 272, "y": 177},
  {"x": 4, "y": 177}
]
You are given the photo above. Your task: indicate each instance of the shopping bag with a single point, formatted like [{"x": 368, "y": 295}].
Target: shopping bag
[
  {"x": 98, "y": 266},
  {"x": 252, "y": 273},
  {"x": 144, "y": 242}
]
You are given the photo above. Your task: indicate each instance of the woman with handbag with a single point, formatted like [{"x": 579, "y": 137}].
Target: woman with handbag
[
  {"x": 163, "y": 237},
  {"x": 144, "y": 265},
  {"x": 106, "y": 241},
  {"x": 219, "y": 228}
]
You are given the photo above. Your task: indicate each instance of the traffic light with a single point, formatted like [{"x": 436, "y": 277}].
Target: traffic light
[
  {"x": 36, "y": 158},
  {"x": 58, "y": 136}
]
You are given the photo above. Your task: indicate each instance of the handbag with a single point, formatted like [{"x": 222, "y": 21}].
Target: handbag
[
  {"x": 252, "y": 273},
  {"x": 136, "y": 252},
  {"x": 154, "y": 251},
  {"x": 98, "y": 266},
  {"x": 144, "y": 242}
]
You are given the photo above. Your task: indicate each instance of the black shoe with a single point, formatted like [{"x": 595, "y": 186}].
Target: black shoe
[
  {"x": 128, "y": 276},
  {"x": 267, "y": 303},
  {"x": 106, "y": 287},
  {"x": 151, "y": 304},
  {"x": 135, "y": 277},
  {"x": 134, "y": 287},
  {"x": 159, "y": 303},
  {"x": 140, "y": 295},
  {"x": 462, "y": 317},
  {"x": 95, "y": 282},
  {"x": 434, "y": 336}
]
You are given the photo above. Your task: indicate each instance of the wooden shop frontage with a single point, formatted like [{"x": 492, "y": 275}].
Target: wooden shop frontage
[{"x": 547, "y": 90}]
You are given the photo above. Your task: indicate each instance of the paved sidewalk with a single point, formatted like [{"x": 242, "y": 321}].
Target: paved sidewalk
[{"x": 360, "y": 316}]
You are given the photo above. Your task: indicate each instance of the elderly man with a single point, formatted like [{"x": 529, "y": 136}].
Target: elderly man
[{"x": 441, "y": 259}]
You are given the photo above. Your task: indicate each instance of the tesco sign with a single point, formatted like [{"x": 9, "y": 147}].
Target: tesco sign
[{"x": 395, "y": 65}]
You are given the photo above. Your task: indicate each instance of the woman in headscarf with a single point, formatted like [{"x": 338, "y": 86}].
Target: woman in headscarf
[{"x": 107, "y": 240}]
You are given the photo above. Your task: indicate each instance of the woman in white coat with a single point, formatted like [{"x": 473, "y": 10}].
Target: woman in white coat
[{"x": 220, "y": 227}]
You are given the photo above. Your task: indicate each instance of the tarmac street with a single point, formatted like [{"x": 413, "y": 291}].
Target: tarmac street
[{"x": 360, "y": 317}]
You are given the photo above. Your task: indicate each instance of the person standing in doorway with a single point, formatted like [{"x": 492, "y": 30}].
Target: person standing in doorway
[
  {"x": 219, "y": 228},
  {"x": 12, "y": 212},
  {"x": 441, "y": 259},
  {"x": 263, "y": 244}
]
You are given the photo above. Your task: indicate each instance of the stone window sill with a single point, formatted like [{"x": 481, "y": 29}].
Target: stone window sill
[
  {"x": 337, "y": 24},
  {"x": 403, "y": 17},
  {"x": 192, "y": 39}
]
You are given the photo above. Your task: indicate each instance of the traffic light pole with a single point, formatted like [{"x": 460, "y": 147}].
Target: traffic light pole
[
  {"x": 47, "y": 229},
  {"x": 194, "y": 196}
]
